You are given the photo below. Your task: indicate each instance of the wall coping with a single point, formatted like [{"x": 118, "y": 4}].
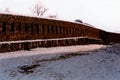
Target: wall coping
[{"x": 22, "y": 41}]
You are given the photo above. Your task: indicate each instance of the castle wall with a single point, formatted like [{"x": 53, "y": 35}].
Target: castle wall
[
  {"x": 30, "y": 44},
  {"x": 24, "y": 33},
  {"x": 13, "y": 27}
]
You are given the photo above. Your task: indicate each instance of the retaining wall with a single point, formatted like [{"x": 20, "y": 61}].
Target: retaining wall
[{"x": 27, "y": 45}]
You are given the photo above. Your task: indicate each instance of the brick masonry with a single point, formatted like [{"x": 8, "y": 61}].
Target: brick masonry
[
  {"x": 27, "y": 45},
  {"x": 16, "y": 28}
]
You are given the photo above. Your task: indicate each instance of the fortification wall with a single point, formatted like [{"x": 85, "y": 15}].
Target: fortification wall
[
  {"x": 20, "y": 29},
  {"x": 30, "y": 44},
  {"x": 13, "y": 27},
  {"x": 112, "y": 37}
]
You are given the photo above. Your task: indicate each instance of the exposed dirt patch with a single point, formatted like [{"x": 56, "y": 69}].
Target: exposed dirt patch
[
  {"x": 28, "y": 68},
  {"x": 63, "y": 56}
]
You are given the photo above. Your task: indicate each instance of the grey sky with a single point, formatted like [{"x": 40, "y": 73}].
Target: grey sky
[{"x": 104, "y": 14}]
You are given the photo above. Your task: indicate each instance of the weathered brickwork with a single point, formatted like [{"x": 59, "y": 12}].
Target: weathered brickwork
[
  {"x": 19, "y": 28},
  {"x": 14, "y": 27},
  {"x": 27, "y": 45},
  {"x": 112, "y": 37}
]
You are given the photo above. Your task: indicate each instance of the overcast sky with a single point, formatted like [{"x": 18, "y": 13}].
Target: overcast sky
[{"x": 104, "y": 14}]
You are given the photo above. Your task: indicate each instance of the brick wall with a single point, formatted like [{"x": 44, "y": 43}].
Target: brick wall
[
  {"x": 13, "y": 27},
  {"x": 30, "y": 44},
  {"x": 19, "y": 28}
]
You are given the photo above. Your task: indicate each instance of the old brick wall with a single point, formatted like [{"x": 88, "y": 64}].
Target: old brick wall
[
  {"x": 112, "y": 37},
  {"x": 30, "y": 44},
  {"x": 13, "y": 27},
  {"x": 22, "y": 28}
]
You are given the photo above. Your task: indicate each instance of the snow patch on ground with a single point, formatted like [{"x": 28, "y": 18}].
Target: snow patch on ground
[{"x": 88, "y": 62}]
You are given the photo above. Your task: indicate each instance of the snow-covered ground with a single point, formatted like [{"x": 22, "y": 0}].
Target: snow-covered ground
[{"x": 83, "y": 62}]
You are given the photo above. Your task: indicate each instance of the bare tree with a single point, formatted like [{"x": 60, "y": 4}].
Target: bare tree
[{"x": 39, "y": 9}]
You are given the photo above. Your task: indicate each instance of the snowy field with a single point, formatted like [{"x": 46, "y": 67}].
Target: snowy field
[{"x": 83, "y": 62}]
